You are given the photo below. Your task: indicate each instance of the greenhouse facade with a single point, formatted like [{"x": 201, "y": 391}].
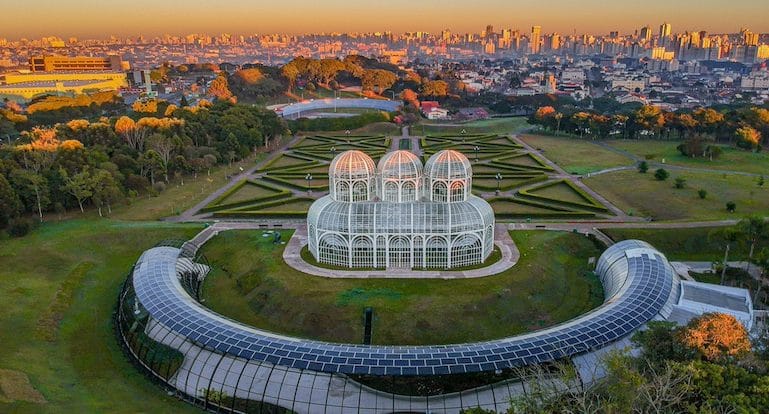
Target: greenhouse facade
[{"x": 398, "y": 214}]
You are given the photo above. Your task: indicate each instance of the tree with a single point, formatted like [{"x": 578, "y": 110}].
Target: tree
[
  {"x": 650, "y": 118},
  {"x": 680, "y": 182},
  {"x": 32, "y": 189},
  {"x": 10, "y": 203},
  {"x": 435, "y": 88},
  {"x": 643, "y": 167},
  {"x": 105, "y": 190},
  {"x": 410, "y": 97},
  {"x": 377, "y": 80},
  {"x": 149, "y": 106},
  {"x": 754, "y": 229},
  {"x": 731, "y": 206},
  {"x": 163, "y": 146},
  {"x": 220, "y": 88},
  {"x": 79, "y": 186},
  {"x": 133, "y": 134},
  {"x": 661, "y": 174},
  {"x": 151, "y": 164},
  {"x": 702, "y": 193},
  {"x": 729, "y": 236},
  {"x": 716, "y": 336},
  {"x": 748, "y": 137},
  {"x": 709, "y": 120}
]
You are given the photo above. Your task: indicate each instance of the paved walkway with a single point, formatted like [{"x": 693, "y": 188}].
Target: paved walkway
[
  {"x": 510, "y": 255},
  {"x": 194, "y": 212}
]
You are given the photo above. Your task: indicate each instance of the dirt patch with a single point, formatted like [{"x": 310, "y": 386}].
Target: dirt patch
[{"x": 15, "y": 386}]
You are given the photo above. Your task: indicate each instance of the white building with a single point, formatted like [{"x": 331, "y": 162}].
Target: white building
[{"x": 399, "y": 215}]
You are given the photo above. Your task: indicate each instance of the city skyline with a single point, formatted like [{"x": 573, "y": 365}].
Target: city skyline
[{"x": 175, "y": 17}]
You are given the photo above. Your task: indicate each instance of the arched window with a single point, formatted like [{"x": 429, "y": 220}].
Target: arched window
[
  {"x": 466, "y": 250},
  {"x": 440, "y": 192},
  {"x": 400, "y": 252},
  {"x": 390, "y": 192},
  {"x": 360, "y": 191},
  {"x": 457, "y": 191},
  {"x": 408, "y": 191},
  {"x": 362, "y": 252},
  {"x": 436, "y": 252},
  {"x": 333, "y": 249},
  {"x": 342, "y": 191}
]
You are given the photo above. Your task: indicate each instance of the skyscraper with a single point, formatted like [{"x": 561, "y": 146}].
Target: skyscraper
[
  {"x": 646, "y": 33},
  {"x": 535, "y": 41},
  {"x": 665, "y": 30}
]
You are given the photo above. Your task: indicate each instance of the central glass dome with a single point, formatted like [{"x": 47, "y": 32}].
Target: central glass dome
[{"x": 401, "y": 175}]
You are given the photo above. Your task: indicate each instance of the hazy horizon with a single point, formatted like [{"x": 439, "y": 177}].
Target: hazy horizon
[{"x": 94, "y": 19}]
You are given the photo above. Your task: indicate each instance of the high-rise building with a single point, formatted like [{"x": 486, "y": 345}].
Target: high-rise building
[
  {"x": 489, "y": 31},
  {"x": 665, "y": 30},
  {"x": 646, "y": 33},
  {"x": 535, "y": 41}
]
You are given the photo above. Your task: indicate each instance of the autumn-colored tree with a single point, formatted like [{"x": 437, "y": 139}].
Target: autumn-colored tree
[
  {"x": 220, "y": 88},
  {"x": 45, "y": 140},
  {"x": 78, "y": 124},
  {"x": 149, "y": 106},
  {"x": 133, "y": 134},
  {"x": 708, "y": 119},
  {"x": 650, "y": 118},
  {"x": 170, "y": 110},
  {"x": 544, "y": 112},
  {"x": 410, "y": 97},
  {"x": 436, "y": 88},
  {"x": 748, "y": 137},
  {"x": 716, "y": 336}
]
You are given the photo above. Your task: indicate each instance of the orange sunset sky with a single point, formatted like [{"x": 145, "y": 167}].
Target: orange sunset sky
[{"x": 101, "y": 18}]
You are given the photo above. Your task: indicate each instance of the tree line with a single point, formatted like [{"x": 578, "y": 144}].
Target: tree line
[
  {"x": 747, "y": 128},
  {"x": 99, "y": 162}
]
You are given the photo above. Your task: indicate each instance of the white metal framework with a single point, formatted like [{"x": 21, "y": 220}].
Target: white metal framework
[{"x": 394, "y": 216}]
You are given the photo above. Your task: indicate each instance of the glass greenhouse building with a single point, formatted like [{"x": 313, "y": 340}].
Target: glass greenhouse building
[{"x": 398, "y": 214}]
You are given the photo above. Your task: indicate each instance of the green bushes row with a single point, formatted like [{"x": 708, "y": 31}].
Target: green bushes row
[
  {"x": 217, "y": 203},
  {"x": 590, "y": 204}
]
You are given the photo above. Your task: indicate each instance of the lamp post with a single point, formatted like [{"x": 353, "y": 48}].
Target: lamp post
[
  {"x": 499, "y": 182},
  {"x": 308, "y": 177},
  {"x": 463, "y": 132},
  {"x": 476, "y": 148},
  {"x": 333, "y": 151},
  {"x": 347, "y": 133}
]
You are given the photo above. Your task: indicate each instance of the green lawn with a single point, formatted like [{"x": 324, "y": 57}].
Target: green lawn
[
  {"x": 694, "y": 244},
  {"x": 251, "y": 283},
  {"x": 576, "y": 156},
  {"x": 493, "y": 125},
  {"x": 731, "y": 159},
  {"x": 642, "y": 195},
  {"x": 58, "y": 288}
]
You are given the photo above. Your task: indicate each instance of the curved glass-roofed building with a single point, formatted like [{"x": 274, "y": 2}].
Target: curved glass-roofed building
[
  {"x": 227, "y": 366},
  {"x": 400, "y": 215}
]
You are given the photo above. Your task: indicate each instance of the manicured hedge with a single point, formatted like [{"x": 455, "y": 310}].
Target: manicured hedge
[
  {"x": 216, "y": 204},
  {"x": 590, "y": 204}
]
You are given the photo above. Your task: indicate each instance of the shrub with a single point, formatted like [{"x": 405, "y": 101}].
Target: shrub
[
  {"x": 731, "y": 206},
  {"x": 702, "y": 193},
  {"x": 680, "y": 182},
  {"x": 20, "y": 226},
  {"x": 643, "y": 167},
  {"x": 159, "y": 187},
  {"x": 661, "y": 174},
  {"x": 761, "y": 181}
]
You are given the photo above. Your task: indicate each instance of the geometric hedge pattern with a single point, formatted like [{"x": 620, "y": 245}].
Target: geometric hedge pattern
[{"x": 527, "y": 189}]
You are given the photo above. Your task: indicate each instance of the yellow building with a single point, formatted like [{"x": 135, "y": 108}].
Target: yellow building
[{"x": 30, "y": 85}]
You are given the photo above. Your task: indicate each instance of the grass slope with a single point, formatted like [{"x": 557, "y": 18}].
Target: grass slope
[
  {"x": 58, "y": 288},
  {"x": 576, "y": 156},
  {"x": 251, "y": 283},
  {"x": 643, "y": 195}
]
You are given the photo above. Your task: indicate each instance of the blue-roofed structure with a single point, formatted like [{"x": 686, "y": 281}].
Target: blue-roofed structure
[{"x": 639, "y": 284}]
